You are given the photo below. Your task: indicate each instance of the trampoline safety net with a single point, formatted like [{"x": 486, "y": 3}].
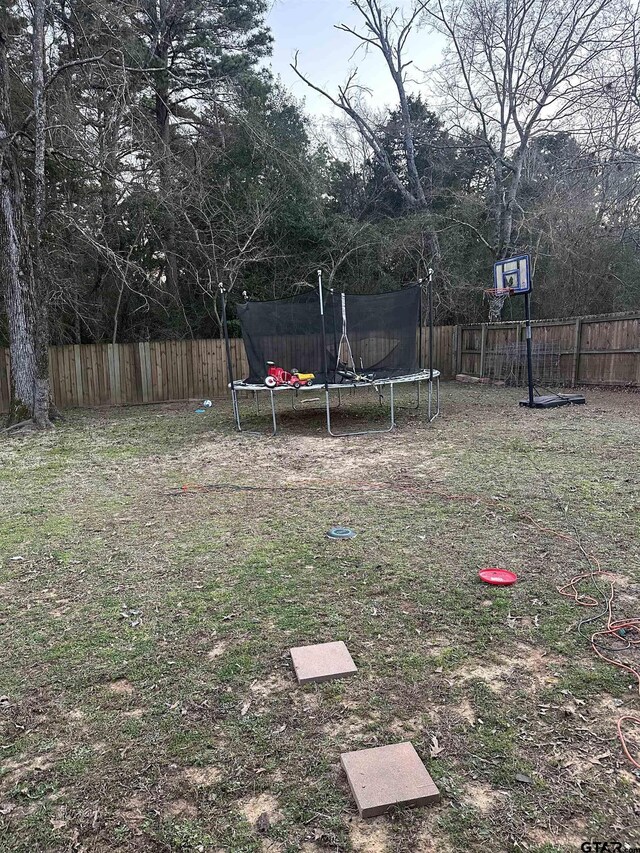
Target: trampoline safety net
[{"x": 373, "y": 335}]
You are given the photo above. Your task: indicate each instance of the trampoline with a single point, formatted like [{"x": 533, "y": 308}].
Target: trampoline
[{"x": 323, "y": 341}]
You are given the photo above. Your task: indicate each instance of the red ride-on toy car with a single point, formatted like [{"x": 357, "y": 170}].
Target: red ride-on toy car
[{"x": 277, "y": 376}]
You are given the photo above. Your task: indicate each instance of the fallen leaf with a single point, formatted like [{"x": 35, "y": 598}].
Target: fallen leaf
[
  {"x": 245, "y": 707},
  {"x": 597, "y": 758},
  {"x": 436, "y": 749},
  {"x": 263, "y": 823},
  {"x": 526, "y": 780}
]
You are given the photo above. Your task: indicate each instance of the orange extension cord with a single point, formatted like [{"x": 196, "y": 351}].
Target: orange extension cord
[{"x": 613, "y": 626}]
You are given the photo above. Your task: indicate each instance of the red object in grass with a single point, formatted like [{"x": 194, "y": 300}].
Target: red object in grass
[{"x": 498, "y": 577}]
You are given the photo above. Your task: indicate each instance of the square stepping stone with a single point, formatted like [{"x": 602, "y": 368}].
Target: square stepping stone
[
  {"x": 322, "y": 662},
  {"x": 388, "y": 776}
]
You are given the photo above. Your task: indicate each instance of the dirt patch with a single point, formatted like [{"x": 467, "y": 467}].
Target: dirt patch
[
  {"x": 493, "y": 673},
  {"x": 201, "y": 776},
  {"x": 14, "y": 771},
  {"x": 570, "y": 837},
  {"x": 483, "y": 797},
  {"x": 463, "y": 709},
  {"x": 430, "y": 840},
  {"x": 530, "y": 666},
  {"x": 122, "y": 687},
  {"x": 276, "y": 683},
  {"x": 255, "y": 807},
  {"x": 76, "y": 714},
  {"x": 371, "y": 836},
  {"x": 408, "y": 729},
  {"x": 216, "y": 462},
  {"x": 135, "y": 713},
  {"x": 180, "y": 808},
  {"x": 133, "y": 811},
  {"x": 350, "y": 732},
  {"x": 308, "y": 702},
  {"x": 218, "y": 650}
]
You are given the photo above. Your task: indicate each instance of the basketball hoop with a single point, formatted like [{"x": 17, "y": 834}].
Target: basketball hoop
[{"x": 496, "y": 297}]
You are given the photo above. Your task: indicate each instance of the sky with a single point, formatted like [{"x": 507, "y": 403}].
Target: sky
[{"x": 326, "y": 54}]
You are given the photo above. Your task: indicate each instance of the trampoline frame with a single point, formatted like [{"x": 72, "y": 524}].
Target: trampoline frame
[{"x": 432, "y": 377}]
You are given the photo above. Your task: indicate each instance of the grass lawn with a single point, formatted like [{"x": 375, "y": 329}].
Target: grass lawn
[{"x": 147, "y": 698}]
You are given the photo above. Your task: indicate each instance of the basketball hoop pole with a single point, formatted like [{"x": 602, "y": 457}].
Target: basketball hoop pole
[
  {"x": 527, "y": 317},
  {"x": 227, "y": 346},
  {"x": 430, "y": 280}
]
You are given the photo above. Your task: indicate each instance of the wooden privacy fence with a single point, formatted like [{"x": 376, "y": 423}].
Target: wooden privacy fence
[
  {"x": 596, "y": 350},
  {"x": 160, "y": 371},
  {"x": 601, "y": 350}
]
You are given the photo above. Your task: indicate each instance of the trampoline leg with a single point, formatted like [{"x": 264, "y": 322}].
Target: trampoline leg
[
  {"x": 391, "y": 401},
  {"x": 273, "y": 413},
  {"x": 391, "y": 426},
  {"x": 236, "y": 408},
  {"x": 418, "y": 400},
  {"x": 430, "y": 415}
]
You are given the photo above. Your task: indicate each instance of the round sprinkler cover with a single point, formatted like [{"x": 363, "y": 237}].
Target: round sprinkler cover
[
  {"x": 341, "y": 533},
  {"x": 497, "y": 577}
]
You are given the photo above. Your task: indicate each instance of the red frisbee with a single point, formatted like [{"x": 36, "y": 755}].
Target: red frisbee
[{"x": 497, "y": 577}]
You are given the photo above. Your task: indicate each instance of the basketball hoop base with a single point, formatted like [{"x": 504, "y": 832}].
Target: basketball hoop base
[{"x": 552, "y": 401}]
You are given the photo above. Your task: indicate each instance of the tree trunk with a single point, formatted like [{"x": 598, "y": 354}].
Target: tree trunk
[
  {"x": 162, "y": 95},
  {"x": 415, "y": 184},
  {"x": 41, "y": 327},
  {"x": 27, "y": 321}
]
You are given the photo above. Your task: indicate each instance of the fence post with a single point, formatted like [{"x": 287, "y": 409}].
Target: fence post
[
  {"x": 577, "y": 342},
  {"x": 145, "y": 372},
  {"x": 483, "y": 344},
  {"x": 457, "y": 351}
]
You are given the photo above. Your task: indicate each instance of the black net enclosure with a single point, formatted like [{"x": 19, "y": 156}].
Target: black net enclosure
[{"x": 374, "y": 336}]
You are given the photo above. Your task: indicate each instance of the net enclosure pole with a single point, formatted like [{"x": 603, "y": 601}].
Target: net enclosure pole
[
  {"x": 420, "y": 330},
  {"x": 324, "y": 334},
  {"x": 324, "y": 351},
  {"x": 225, "y": 329},
  {"x": 527, "y": 316},
  {"x": 420, "y": 325}
]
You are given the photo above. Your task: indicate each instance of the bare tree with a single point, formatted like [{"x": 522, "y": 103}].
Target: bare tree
[
  {"x": 515, "y": 69},
  {"x": 386, "y": 30}
]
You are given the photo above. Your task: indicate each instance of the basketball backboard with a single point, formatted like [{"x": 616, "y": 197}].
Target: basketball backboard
[{"x": 513, "y": 274}]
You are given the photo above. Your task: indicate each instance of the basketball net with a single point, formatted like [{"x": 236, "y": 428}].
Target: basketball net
[{"x": 496, "y": 300}]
